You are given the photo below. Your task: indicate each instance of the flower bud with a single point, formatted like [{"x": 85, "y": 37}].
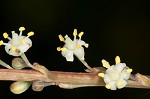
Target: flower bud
[
  {"x": 19, "y": 87},
  {"x": 38, "y": 85},
  {"x": 18, "y": 63}
]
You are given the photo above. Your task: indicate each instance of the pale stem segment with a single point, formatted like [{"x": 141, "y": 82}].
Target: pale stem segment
[
  {"x": 87, "y": 66},
  {"x": 36, "y": 66},
  {"x": 23, "y": 56},
  {"x": 67, "y": 79},
  {"x": 5, "y": 65}
]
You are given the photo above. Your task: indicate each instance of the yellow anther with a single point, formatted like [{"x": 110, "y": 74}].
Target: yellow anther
[
  {"x": 119, "y": 83},
  {"x": 21, "y": 29},
  {"x": 30, "y": 33},
  {"x": 75, "y": 32},
  {"x": 80, "y": 34},
  {"x": 105, "y": 63},
  {"x": 63, "y": 49},
  {"x": 1, "y": 42},
  {"x": 107, "y": 86},
  {"x": 5, "y": 35},
  {"x": 117, "y": 60},
  {"x": 61, "y": 37},
  {"x": 78, "y": 46},
  {"x": 101, "y": 75},
  {"x": 13, "y": 48},
  {"x": 129, "y": 70},
  {"x": 23, "y": 41},
  {"x": 58, "y": 49}
]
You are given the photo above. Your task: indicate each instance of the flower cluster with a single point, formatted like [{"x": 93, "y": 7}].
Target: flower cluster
[
  {"x": 116, "y": 76},
  {"x": 18, "y": 44},
  {"x": 72, "y": 47}
]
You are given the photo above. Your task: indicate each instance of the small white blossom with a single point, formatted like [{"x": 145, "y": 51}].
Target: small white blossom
[
  {"x": 116, "y": 76},
  {"x": 72, "y": 47},
  {"x": 18, "y": 43}
]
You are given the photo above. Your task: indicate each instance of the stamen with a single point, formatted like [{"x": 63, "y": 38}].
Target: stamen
[
  {"x": 58, "y": 48},
  {"x": 105, "y": 63},
  {"x": 117, "y": 60},
  {"x": 80, "y": 34},
  {"x": 21, "y": 29},
  {"x": 63, "y": 49},
  {"x": 1, "y": 42},
  {"x": 75, "y": 32},
  {"x": 61, "y": 37},
  {"x": 6, "y": 43},
  {"x": 101, "y": 75},
  {"x": 23, "y": 41},
  {"x": 5, "y": 35},
  {"x": 107, "y": 86},
  {"x": 30, "y": 34},
  {"x": 129, "y": 70}
]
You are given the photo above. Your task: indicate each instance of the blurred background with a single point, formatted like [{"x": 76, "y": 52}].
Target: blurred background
[{"x": 110, "y": 27}]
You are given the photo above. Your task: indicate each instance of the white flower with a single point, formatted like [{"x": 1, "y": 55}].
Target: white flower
[
  {"x": 116, "y": 76},
  {"x": 72, "y": 47},
  {"x": 18, "y": 43}
]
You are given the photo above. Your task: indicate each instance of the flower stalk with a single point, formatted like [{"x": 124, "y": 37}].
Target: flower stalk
[{"x": 62, "y": 79}]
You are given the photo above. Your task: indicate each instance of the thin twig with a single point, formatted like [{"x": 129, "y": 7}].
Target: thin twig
[{"x": 60, "y": 78}]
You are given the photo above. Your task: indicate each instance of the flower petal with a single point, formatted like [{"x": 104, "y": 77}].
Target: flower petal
[
  {"x": 69, "y": 44},
  {"x": 79, "y": 53},
  {"x": 28, "y": 41},
  {"x": 110, "y": 69},
  {"x": 124, "y": 74},
  {"x": 119, "y": 67},
  {"x": 107, "y": 79},
  {"x": 81, "y": 42},
  {"x": 68, "y": 55},
  {"x": 9, "y": 51},
  {"x": 123, "y": 83},
  {"x": 23, "y": 48},
  {"x": 113, "y": 85},
  {"x": 15, "y": 38}
]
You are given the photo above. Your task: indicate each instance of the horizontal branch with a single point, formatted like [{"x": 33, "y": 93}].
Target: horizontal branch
[{"x": 60, "y": 78}]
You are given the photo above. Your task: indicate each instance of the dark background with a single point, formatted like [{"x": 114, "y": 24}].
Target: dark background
[{"x": 110, "y": 27}]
